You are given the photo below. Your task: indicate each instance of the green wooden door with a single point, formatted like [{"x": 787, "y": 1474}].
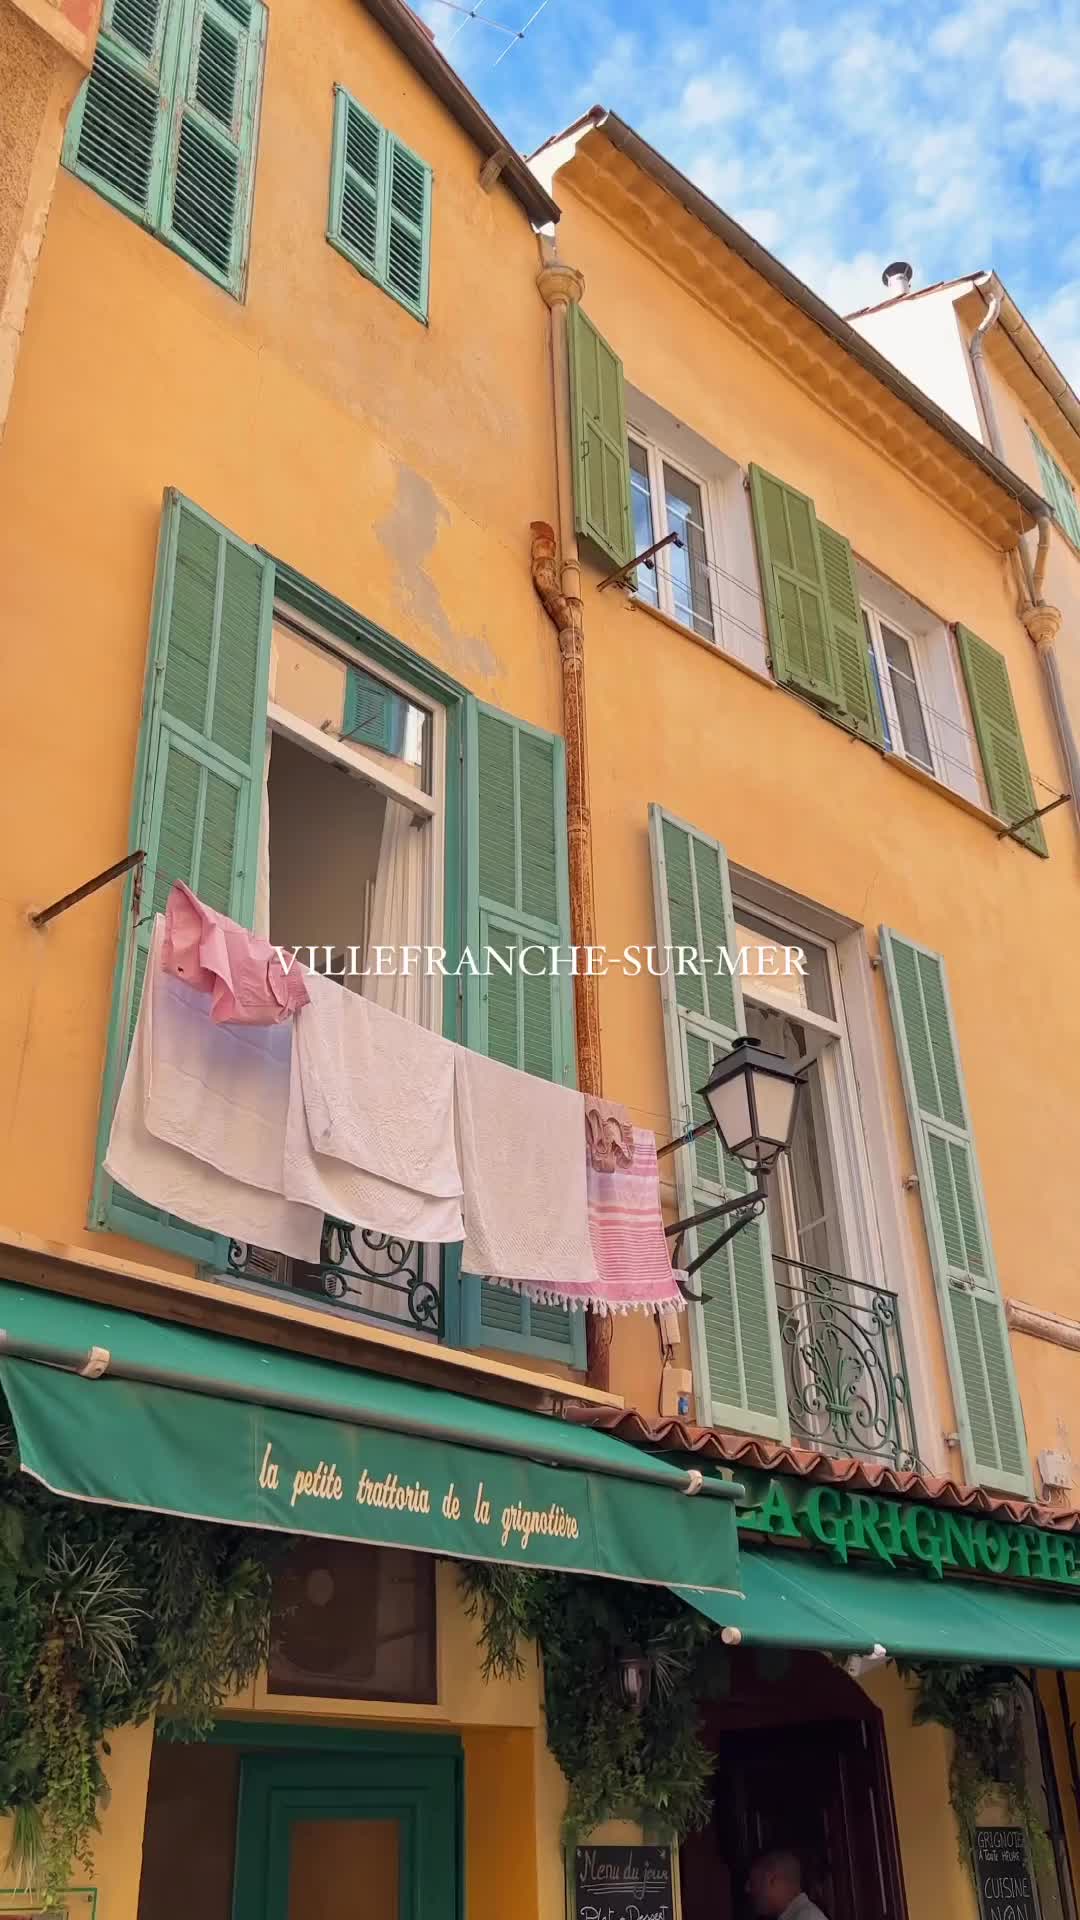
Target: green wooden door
[{"x": 336, "y": 1836}]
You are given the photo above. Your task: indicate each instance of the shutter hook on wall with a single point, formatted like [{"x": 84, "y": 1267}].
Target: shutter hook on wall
[{"x": 99, "y": 880}]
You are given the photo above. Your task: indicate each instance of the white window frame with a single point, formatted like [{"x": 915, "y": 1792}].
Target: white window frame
[
  {"x": 881, "y": 1156},
  {"x": 376, "y": 772},
  {"x": 861, "y": 1251},
  {"x": 657, "y": 456},
  {"x": 897, "y": 745}
]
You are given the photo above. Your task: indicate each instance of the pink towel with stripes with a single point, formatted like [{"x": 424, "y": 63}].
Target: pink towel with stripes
[{"x": 627, "y": 1233}]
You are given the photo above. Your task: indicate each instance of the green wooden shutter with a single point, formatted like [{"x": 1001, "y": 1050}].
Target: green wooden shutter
[
  {"x": 1058, "y": 489},
  {"x": 997, "y": 729},
  {"x": 859, "y": 705},
  {"x": 796, "y": 596},
  {"x": 375, "y": 714},
  {"x": 600, "y": 447},
  {"x": 737, "y": 1363},
  {"x": 207, "y": 202},
  {"x": 198, "y": 785},
  {"x": 408, "y": 226},
  {"x": 518, "y": 895},
  {"x": 118, "y": 131},
  {"x": 973, "y": 1313},
  {"x": 355, "y": 182},
  {"x": 380, "y": 204}
]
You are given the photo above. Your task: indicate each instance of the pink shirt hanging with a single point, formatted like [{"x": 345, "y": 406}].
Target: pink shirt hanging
[{"x": 244, "y": 975}]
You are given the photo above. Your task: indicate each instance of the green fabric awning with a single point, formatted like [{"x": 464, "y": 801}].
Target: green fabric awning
[
  {"x": 793, "y": 1599},
  {"x": 191, "y": 1423}
]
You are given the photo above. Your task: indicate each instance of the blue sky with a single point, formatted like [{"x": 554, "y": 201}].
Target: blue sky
[{"x": 944, "y": 132}]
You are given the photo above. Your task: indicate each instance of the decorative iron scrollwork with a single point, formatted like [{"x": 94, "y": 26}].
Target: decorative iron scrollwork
[
  {"x": 359, "y": 1271},
  {"x": 844, "y": 1365}
]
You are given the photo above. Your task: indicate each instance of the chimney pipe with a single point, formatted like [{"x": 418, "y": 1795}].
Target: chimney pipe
[{"x": 897, "y": 277}]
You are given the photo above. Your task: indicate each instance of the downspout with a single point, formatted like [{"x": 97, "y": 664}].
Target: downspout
[
  {"x": 556, "y": 573},
  {"x": 1042, "y": 621}
]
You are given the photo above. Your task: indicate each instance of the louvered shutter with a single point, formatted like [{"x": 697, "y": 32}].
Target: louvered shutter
[
  {"x": 737, "y": 1364},
  {"x": 207, "y": 201},
  {"x": 997, "y": 729},
  {"x": 375, "y": 714},
  {"x": 380, "y": 204},
  {"x": 600, "y": 447},
  {"x": 198, "y": 786},
  {"x": 973, "y": 1313},
  {"x": 518, "y": 896},
  {"x": 1058, "y": 489},
  {"x": 408, "y": 222},
  {"x": 117, "y": 135},
  {"x": 859, "y": 704},
  {"x": 793, "y": 583},
  {"x": 355, "y": 182}
]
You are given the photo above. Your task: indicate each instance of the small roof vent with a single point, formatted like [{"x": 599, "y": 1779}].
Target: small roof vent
[{"x": 898, "y": 276}]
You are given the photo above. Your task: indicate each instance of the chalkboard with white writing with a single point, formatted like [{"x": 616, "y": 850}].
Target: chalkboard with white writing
[
  {"x": 623, "y": 1883},
  {"x": 1003, "y": 1876}
]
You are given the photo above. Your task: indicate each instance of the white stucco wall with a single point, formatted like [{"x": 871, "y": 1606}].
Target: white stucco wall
[{"x": 921, "y": 336}]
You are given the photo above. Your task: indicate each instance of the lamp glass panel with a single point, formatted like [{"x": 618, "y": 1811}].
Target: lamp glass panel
[
  {"x": 774, "y": 1099},
  {"x": 730, "y": 1106}
]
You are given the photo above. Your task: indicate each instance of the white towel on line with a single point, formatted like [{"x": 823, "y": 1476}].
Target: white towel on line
[
  {"x": 211, "y": 1092},
  {"x": 522, "y": 1143},
  {"x": 363, "y": 1199},
  {"x": 378, "y": 1090}
]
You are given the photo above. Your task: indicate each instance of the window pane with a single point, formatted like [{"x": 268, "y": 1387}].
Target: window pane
[
  {"x": 875, "y": 678},
  {"x": 771, "y": 960},
  {"x": 644, "y": 530},
  {"x": 687, "y": 567},
  {"x": 906, "y": 695}
]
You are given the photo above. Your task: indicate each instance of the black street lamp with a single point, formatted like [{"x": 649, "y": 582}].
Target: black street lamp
[{"x": 753, "y": 1102}]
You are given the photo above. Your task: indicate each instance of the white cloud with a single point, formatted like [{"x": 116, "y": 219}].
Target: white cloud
[
  {"x": 842, "y": 133},
  {"x": 1058, "y": 323},
  {"x": 1038, "y": 75},
  {"x": 711, "y": 98}
]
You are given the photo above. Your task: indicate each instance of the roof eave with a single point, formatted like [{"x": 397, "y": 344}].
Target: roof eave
[
  {"x": 410, "y": 36},
  {"x": 1031, "y": 349},
  {"x": 623, "y": 137}
]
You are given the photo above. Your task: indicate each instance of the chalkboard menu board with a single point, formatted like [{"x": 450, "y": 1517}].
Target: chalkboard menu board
[
  {"x": 623, "y": 1883},
  {"x": 1003, "y": 1875}
]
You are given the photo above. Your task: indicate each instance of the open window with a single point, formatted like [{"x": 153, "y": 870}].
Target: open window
[
  {"x": 350, "y": 860},
  {"x": 924, "y": 710},
  {"x": 680, "y": 484}
]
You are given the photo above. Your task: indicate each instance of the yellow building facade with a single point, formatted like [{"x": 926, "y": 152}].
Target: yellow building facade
[{"x": 306, "y": 371}]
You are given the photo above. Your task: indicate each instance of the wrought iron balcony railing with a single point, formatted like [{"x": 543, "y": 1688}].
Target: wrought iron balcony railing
[
  {"x": 366, "y": 1275},
  {"x": 844, "y": 1365}
]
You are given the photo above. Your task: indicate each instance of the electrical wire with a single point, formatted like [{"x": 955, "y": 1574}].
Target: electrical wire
[{"x": 954, "y": 746}]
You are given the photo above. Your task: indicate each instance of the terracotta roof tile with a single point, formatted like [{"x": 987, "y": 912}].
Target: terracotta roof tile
[{"x": 876, "y": 1476}]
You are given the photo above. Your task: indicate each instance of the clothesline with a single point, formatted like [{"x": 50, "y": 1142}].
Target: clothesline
[{"x": 257, "y": 1102}]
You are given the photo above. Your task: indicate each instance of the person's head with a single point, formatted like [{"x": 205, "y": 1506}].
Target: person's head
[{"x": 773, "y": 1882}]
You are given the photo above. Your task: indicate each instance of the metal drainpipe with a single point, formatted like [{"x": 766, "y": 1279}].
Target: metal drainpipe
[
  {"x": 1042, "y": 622},
  {"x": 558, "y": 582}
]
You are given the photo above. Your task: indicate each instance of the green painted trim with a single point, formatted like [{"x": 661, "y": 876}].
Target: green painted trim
[
  {"x": 359, "y": 1740},
  {"x": 976, "y": 1474},
  {"x": 421, "y": 1789}
]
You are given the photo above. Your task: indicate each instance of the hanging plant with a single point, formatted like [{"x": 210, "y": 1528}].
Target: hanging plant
[
  {"x": 106, "y": 1617},
  {"x": 983, "y": 1709},
  {"x": 644, "y": 1762}
]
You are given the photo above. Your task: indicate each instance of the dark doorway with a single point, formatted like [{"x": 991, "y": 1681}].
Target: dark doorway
[{"x": 800, "y": 1764}]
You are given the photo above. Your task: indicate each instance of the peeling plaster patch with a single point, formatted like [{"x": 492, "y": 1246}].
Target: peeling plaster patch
[{"x": 409, "y": 533}]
